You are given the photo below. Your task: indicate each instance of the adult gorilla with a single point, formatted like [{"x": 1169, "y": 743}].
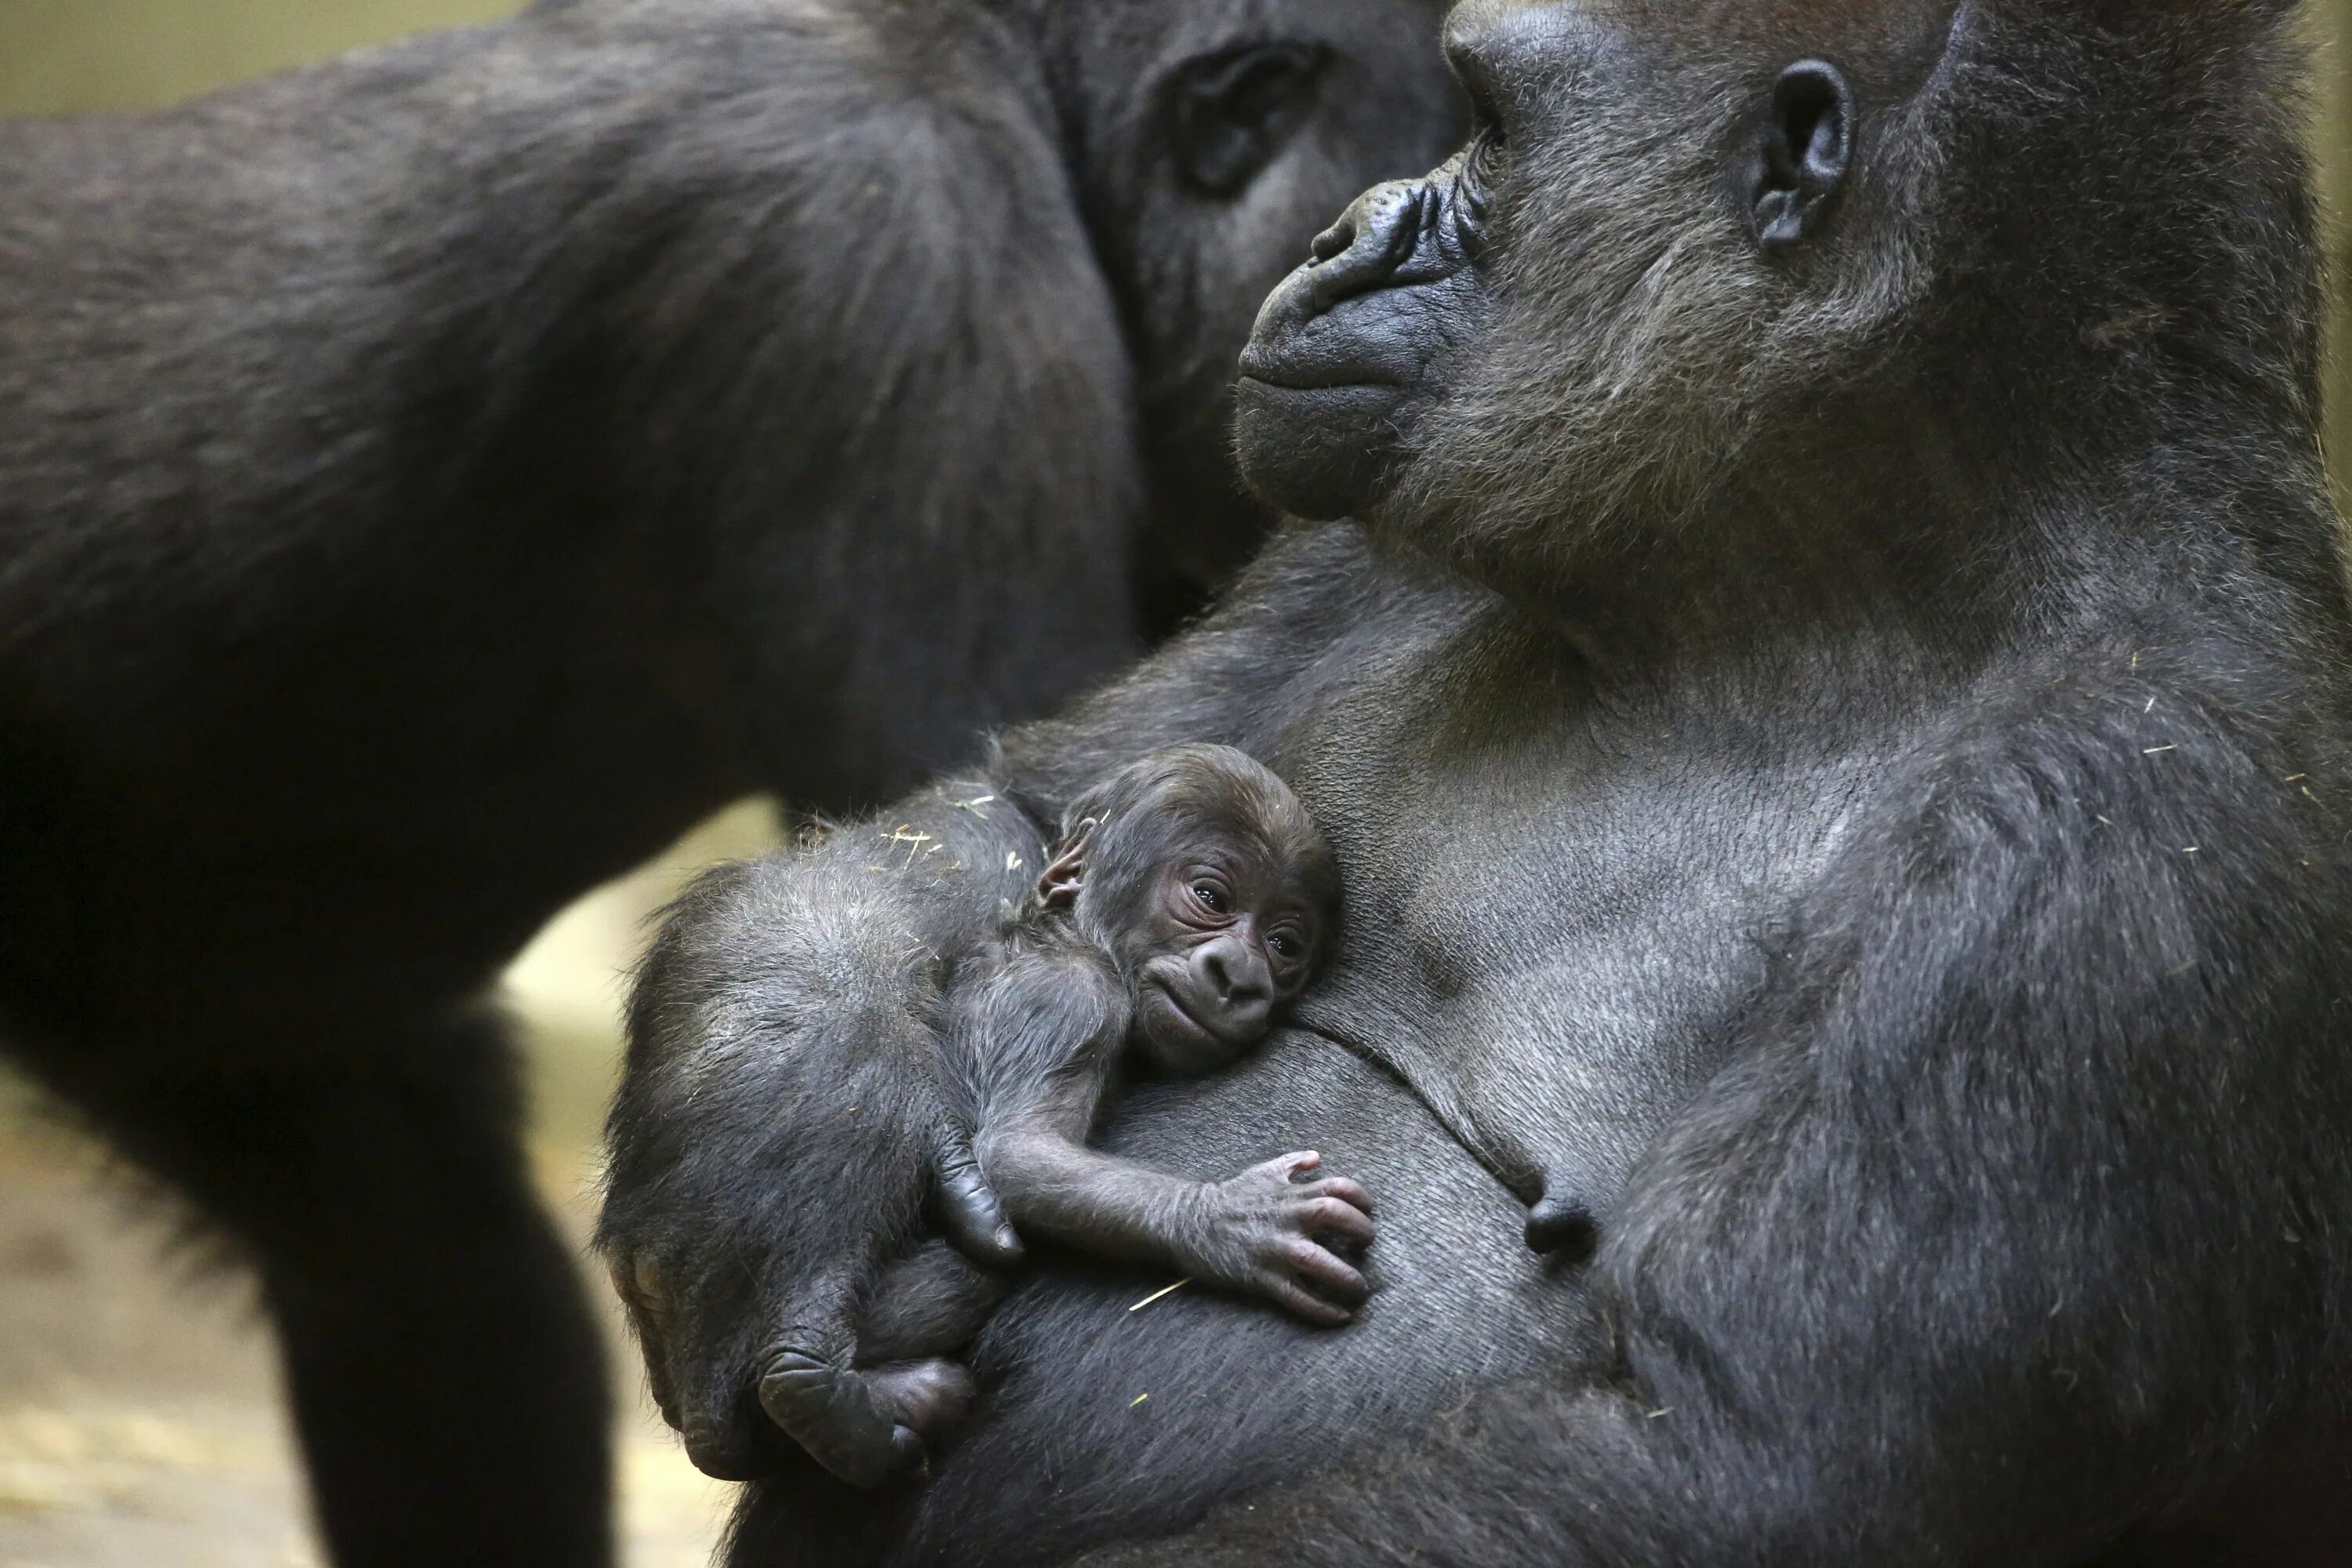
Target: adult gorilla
[
  {"x": 1836, "y": 739},
  {"x": 430, "y": 481}
]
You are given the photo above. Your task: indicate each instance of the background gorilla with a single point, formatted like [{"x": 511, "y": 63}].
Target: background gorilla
[
  {"x": 1836, "y": 739},
  {"x": 430, "y": 481}
]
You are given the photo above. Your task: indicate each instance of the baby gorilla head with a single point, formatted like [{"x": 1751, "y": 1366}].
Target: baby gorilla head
[{"x": 1203, "y": 877}]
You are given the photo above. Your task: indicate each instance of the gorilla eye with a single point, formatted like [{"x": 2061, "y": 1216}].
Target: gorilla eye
[
  {"x": 1211, "y": 897},
  {"x": 1483, "y": 164},
  {"x": 1234, "y": 111},
  {"x": 1486, "y": 119},
  {"x": 1285, "y": 944}
]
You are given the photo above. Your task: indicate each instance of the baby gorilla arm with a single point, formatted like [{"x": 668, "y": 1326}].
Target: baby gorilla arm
[
  {"x": 1264, "y": 1231},
  {"x": 1040, "y": 1043}
]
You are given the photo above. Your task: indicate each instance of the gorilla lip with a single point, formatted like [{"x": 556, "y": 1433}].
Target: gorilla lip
[{"x": 1279, "y": 377}]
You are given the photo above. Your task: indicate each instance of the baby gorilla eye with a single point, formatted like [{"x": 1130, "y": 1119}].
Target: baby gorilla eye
[
  {"x": 1286, "y": 944},
  {"x": 1210, "y": 897}
]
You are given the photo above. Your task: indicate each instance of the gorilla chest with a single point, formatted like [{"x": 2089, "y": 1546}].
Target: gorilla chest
[{"x": 1556, "y": 905}]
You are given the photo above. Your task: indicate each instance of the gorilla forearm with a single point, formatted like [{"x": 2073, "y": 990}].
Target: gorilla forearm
[{"x": 1249, "y": 675}]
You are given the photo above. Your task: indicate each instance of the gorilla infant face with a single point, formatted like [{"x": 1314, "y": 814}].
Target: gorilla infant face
[
  {"x": 1205, "y": 879},
  {"x": 1658, "y": 234},
  {"x": 1233, "y": 935}
]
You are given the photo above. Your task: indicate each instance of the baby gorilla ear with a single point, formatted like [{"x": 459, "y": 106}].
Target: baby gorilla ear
[
  {"x": 1057, "y": 886},
  {"x": 1804, "y": 147}
]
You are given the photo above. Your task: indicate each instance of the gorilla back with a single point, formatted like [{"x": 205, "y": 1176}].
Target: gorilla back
[
  {"x": 1838, "y": 735},
  {"x": 431, "y": 480}
]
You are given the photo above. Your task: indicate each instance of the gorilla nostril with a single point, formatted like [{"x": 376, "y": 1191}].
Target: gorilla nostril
[{"x": 1374, "y": 238}]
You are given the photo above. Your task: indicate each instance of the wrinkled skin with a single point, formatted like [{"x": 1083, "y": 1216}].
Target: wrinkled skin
[
  {"x": 1833, "y": 724},
  {"x": 1353, "y": 341}
]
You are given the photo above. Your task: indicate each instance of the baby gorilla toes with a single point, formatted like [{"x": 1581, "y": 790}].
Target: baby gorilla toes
[
  {"x": 1271, "y": 1233},
  {"x": 840, "y": 1416},
  {"x": 926, "y": 1398}
]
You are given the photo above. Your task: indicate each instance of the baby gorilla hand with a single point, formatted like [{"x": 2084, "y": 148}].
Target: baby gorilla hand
[{"x": 1264, "y": 1231}]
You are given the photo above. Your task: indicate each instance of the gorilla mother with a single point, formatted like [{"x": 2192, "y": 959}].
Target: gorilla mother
[{"x": 1834, "y": 727}]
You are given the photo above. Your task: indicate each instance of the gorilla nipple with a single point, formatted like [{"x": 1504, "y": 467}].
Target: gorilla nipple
[{"x": 1562, "y": 1225}]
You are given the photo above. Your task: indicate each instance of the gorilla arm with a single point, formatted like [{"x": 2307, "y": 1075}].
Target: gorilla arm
[
  {"x": 791, "y": 1006},
  {"x": 1999, "y": 1233}
]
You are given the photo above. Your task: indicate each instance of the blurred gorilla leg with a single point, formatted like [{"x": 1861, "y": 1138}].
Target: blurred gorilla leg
[{"x": 447, "y": 1380}]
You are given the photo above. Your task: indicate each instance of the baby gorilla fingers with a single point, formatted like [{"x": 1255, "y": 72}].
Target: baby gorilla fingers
[{"x": 1266, "y": 1232}]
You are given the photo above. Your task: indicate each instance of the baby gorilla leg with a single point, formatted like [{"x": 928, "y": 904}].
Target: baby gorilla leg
[
  {"x": 928, "y": 1307},
  {"x": 862, "y": 1391},
  {"x": 931, "y": 1302},
  {"x": 809, "y": 1386},
  {"x": 924, "y": 1397}
]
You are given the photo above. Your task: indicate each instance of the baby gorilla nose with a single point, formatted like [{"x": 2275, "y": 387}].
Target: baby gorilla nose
[{"x": 1233, "y": 975}]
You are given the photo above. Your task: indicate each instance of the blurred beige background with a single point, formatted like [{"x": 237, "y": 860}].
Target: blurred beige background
[{"x": 139, "y": 1425}]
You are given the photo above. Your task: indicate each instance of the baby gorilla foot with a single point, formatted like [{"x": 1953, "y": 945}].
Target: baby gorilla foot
[
  {"x": 926, "y": 1398},
  {"x": 1266, "y": 1229},
  {"x": 845, "y": 1421}
]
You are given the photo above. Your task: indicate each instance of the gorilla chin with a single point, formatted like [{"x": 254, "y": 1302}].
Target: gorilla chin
[
  {"x": 1342, "y": 353},
  {"x": 1316, "y": 452}
]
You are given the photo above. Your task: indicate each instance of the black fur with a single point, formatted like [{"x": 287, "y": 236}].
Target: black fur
[
  {"x": 430, "y": 481},
  {"x": 1836, "y": 746}
]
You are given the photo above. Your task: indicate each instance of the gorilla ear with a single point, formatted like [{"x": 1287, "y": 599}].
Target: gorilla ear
[
  {"x": 1058, "y": 884},
  {"x": 1234, "y": 111},
  {"x": 1805, "y": 147}
]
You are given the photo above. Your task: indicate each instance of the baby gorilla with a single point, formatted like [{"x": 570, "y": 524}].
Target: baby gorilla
[{"x": 1189, "y": 901}]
